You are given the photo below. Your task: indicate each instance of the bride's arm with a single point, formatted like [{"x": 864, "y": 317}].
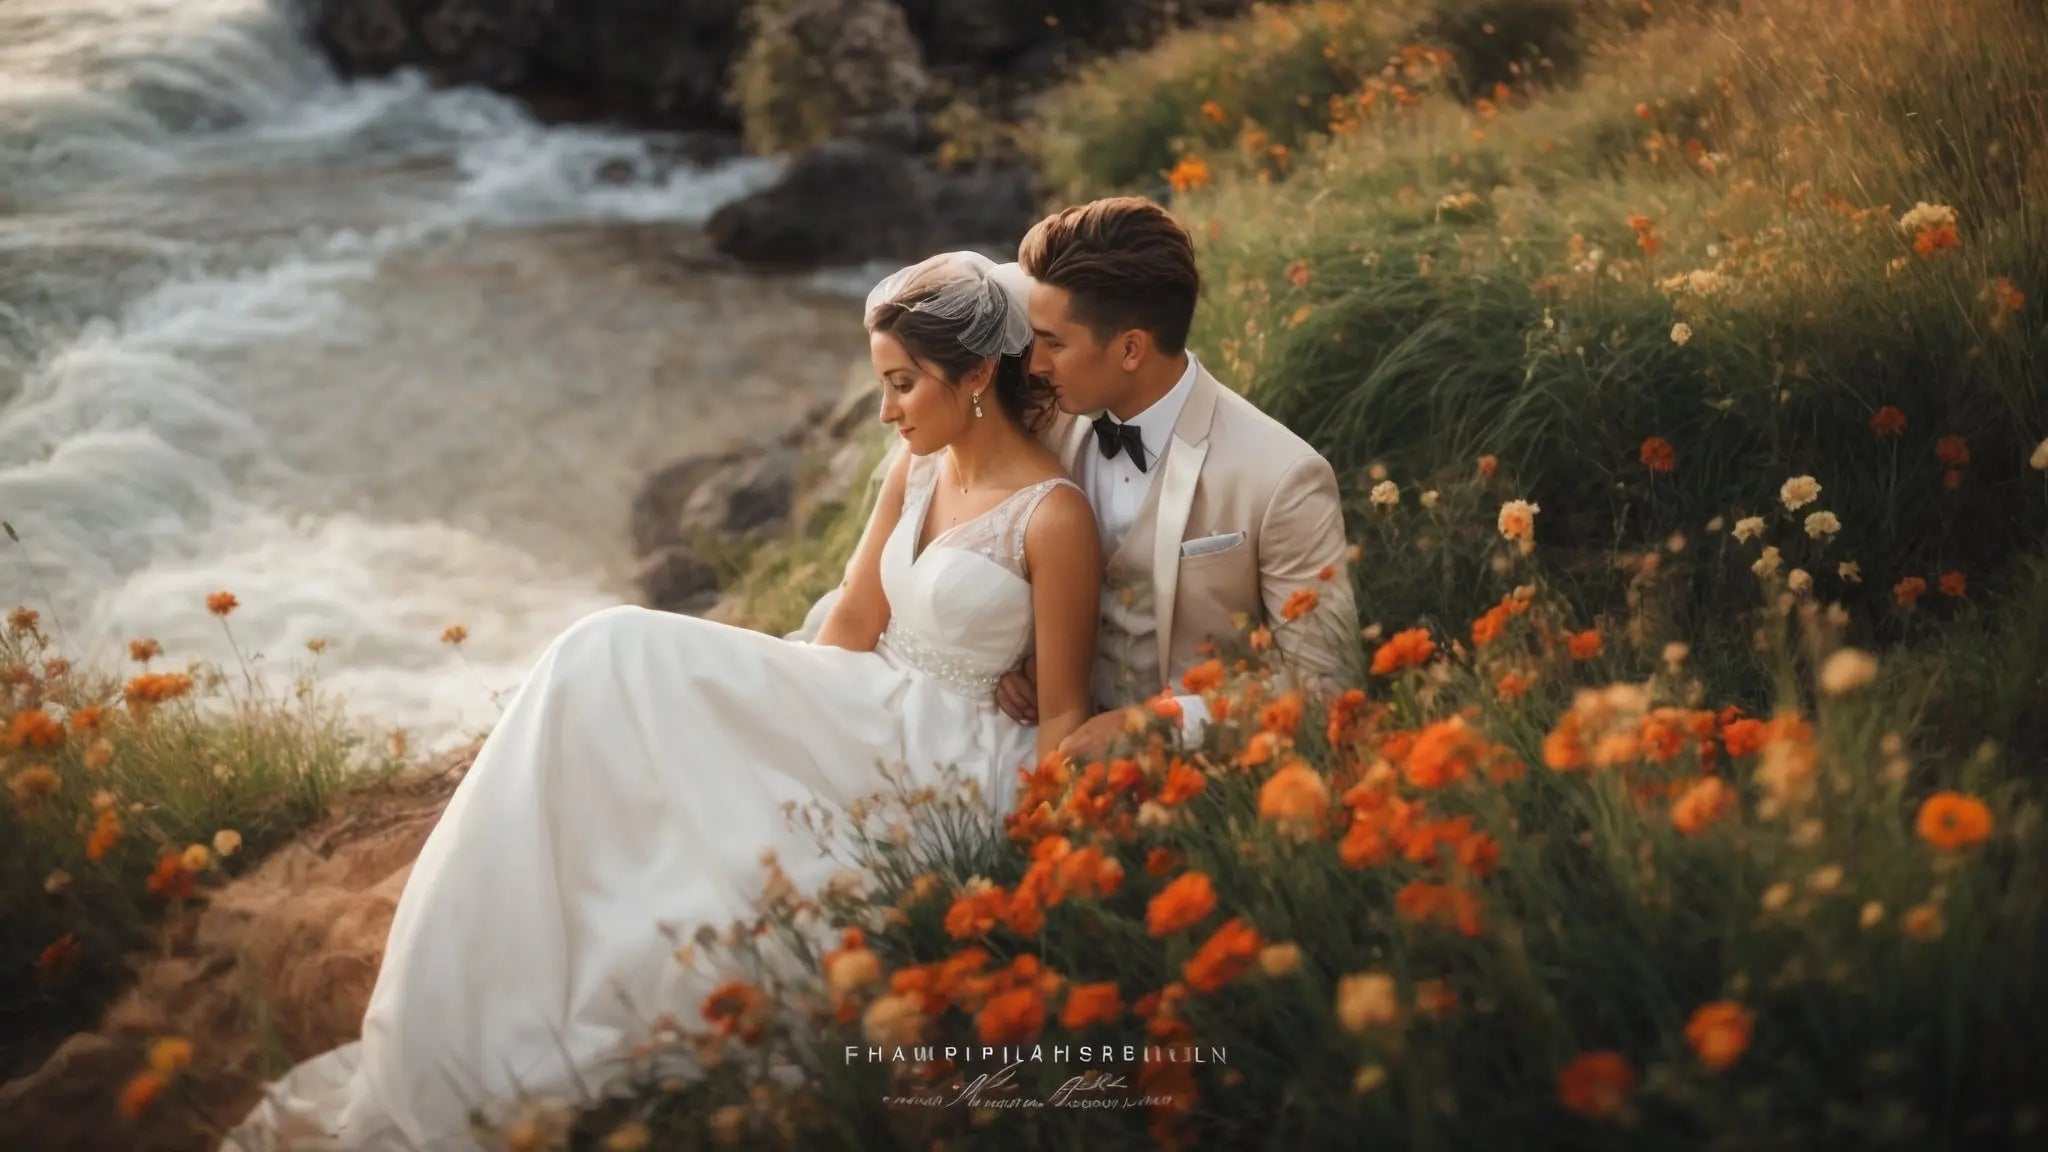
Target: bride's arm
[
  {"x": 1064, "y": 552},
  {"x": 857, "y": 620}
]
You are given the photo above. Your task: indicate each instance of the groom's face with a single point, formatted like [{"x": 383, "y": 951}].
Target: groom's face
[{"x": 1082, "y": 371}]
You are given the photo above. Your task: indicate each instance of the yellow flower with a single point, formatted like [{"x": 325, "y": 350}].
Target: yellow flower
[
  {"x": 1826, "y": 878},
  {"x": 1872, "y": 915},
  {"x": 170, "y": 1055},
  {"x": 227, "y": 842},
  {"x": 1767, "y": 564},
  {"x": 1821, "y": 525},
  {"x": 1748, "y": 528},
  {"x": 1386, "y": 494},
  {"x": 196, "y": 858},
  {"x": 893, "y": 1020},
  {"x": 1681, "y": 332},
  {"x": 1367, "y": 1000},
  {"x": 727, "y": 1124},
  {"x": 1277, "y": 960},
  {"x": 1798, "y": 492},
  {"x": 1777, "y": 896},
  {"x": 632, "y": 1136},
  {"x": 1799, "y": 580}
]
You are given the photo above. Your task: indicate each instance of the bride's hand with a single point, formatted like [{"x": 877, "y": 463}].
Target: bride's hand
[
  {"x": 1017, "y": 692},
  {"x": 1092, "y": 739}
]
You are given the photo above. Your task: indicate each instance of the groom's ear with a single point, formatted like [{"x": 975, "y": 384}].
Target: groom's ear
[{"x": 1133, "y": 347}]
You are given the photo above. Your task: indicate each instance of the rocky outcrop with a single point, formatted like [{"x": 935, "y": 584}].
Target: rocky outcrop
[
  {"x": 667, "y": 63},
  {"x": 851, "y": 200},
  {"x": 696, "y": 513}
]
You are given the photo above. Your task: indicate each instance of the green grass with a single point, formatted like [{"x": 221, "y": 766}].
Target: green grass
[{"x": 210, "y": 766}]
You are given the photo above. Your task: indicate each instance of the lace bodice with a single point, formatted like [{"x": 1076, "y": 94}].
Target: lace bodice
[{"x": 960, "y": 609}]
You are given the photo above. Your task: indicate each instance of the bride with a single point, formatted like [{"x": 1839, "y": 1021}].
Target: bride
[{"x": 645, "y": 762}]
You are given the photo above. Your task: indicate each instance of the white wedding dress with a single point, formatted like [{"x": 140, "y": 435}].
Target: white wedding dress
[{"x": 634, "y": 781}]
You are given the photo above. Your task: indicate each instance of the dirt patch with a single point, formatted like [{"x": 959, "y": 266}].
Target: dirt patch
[{"x": 276, "y": 967}]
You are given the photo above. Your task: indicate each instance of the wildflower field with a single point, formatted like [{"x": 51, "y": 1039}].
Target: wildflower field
[
  {"x": 129, "y": 797},
  {"x": 1684, "y": 365}
]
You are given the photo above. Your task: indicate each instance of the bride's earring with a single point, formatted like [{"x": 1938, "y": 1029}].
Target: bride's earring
[{"x": 977, "y": 405}]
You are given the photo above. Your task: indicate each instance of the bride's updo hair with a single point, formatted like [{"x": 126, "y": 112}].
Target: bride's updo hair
[{"x": 955, "y": 311}]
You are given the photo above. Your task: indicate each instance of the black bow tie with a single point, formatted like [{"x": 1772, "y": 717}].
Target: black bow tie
[{"x": 1113, "y": 438}]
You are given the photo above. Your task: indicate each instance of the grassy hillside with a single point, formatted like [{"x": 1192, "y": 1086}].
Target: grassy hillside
[{"x": 1695, "y": 802}]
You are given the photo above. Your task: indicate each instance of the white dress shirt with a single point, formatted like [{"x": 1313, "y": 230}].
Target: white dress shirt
[{"x": 1117, "y": 488}]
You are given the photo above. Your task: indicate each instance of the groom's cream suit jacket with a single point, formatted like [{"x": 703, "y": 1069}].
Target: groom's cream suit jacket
[{"x": 1240, "y": 515}]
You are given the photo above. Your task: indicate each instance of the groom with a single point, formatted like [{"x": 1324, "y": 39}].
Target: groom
[{"x": 1213, "y": 514}]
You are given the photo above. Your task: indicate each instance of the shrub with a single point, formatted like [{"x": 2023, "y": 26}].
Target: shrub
[{"x": 811, "y": 67}]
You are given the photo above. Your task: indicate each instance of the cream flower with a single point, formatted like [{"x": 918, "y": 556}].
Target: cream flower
[
  {"x": 1798, "y": 492},
  {"x": 1846, "y": 671},
  {"x": 1749, "y": 528},
  {"x": 1798, "y": 580},
  {"x": 2039, "y": 460},
  {"x": 1822, "y": 525},
  {"x": 1767, "y": 564},
  {"x": 1386, "y": 494},
  {"x": 1430, "y": 497},
  {"x": 1925, "y": 215},
  {"x": 1851, "y": 571},
  {"x": 1518, "y": 520},
  {"x": 1681, "y": 332}
]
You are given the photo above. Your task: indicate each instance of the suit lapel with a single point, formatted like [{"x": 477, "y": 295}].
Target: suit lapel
[
  {"x": 1080, "y": 433},
  {"x": 1182, "y": 468}
]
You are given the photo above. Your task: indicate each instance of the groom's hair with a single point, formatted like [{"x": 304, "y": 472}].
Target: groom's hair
[{"x": 1124, "y": 263}]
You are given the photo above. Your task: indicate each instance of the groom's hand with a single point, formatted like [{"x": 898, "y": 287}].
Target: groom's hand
[
  {"x": 1092, "y": 739},
  {"x": 1017, "y": 692}
]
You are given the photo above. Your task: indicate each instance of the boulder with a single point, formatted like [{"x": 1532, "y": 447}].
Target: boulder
[
  {"x": 852, "y": 200},
  {"x": 676, "y": 579},
  {"x": 749, "y": 497}
]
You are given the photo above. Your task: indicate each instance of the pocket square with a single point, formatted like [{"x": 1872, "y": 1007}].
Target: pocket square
[{"x": 1209, "y": 544}]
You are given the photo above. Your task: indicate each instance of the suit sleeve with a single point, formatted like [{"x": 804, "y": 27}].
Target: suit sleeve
[{"x": 1300, "y": 539}]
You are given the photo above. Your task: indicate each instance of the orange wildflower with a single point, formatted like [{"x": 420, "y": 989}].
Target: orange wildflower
[
  {"x": 222, "y": 603},
  {"x": 1409, "y": 649},
  {"x": 170, "y": 881},
  {"x": 157, "y": 687},
  {"x": 1282, "y": 716},
  {"x": 1213, "y": 112},
  {"x": 1953, "y": 451},
  {"x": 32, "y": 728},
  {"x": 1165, "y": 706},
  {"x": 1160, "y": 861},
  {"x": 1203, "y": 677},
  {"x": 1444, "y": 753},
  {"x": 1091, "y": 1004},
  {"x": 1703, "y": 802},
  {"x": 106, "y": 833},
  {"x": 1511, "y": 686},
  {"x": 1012, "y": 1017},
  {"x": 140, "y": 1092},
  {"x": 1190, "y": 173},
  {"x": 1181, "y": 904},
  {"x": 1909, "y": 590},
  {"x": 1888, "y": 421},
  {"x": 1584, "y": 645},
  {"x": 1928, "y": 241},
  {"x": 1718, "y": 1033},
  {"x": 1657, "y": 455},
  {"x": 1298, "y": 273},
  {"x": 1488, "y": 465},
  {"x": 144, "y": 650},
  {"x": 1300, "y": 602},
  {"x": 1228, "y": 953},
  {"x": 1954, "y": 584},
  {"x": 87, "y": 718},
  {"x": 1260, "y": 749},
  {"x": 1295, "y": 797},
  {"x": 737, "y": 1008},
  {"x": 975, "y": 911},
  {"x": 1564, "y": 746},
  {"x": 1442, "y": 905},
  {"x": 1596, "y": 1085},
  {"x": 1951, "y": 821},
  {"x": 1182, "y": 784},
  {"x": 58, "y": 957},
  {"x": 454, "y": 634}
]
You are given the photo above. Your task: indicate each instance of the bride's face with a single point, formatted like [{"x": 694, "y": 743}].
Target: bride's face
[{"x": 926, "y": 411}]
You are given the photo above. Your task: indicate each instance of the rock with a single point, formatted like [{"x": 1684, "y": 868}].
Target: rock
[
  {"x": 658, "y": 506},
  {"x": 674, "y": 579},
  {"x": 849, "y": 201},
  {"x": 654, "y": 63},
  {"x": 748, "y": 497}
]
